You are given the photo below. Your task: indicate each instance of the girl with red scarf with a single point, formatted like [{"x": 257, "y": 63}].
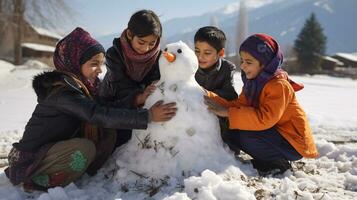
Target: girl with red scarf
[
  {"x": 132, "y": 65},
  {"x": 266, "y": 120}
]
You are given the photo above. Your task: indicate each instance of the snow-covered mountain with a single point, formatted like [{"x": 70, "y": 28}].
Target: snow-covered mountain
[
  {"x": 282, "y": 19},
  {"x": 184, "y": 25},
  {"x": 179, "y": 26}
]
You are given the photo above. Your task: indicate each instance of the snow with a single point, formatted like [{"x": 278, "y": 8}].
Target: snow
[
  {"x": 39, "y": 47},
  {"x": 325, "y": 5},
  {"x": 188, "y": 143},
  {"x": 5, "y": 68},
  {"x": 329, "y": 58},
  {"x": 250, "y": 4},
  {"x": 329, "y": 102},
  {"x": 348, "y": 56},
  {"x": 46, "y": 32},
  {"x": 285, "y": 32}
]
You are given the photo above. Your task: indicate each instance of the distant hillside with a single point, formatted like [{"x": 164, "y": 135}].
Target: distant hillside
[
  {"x": 283, "y": 20},
  {"x": 179, "y": 26}
]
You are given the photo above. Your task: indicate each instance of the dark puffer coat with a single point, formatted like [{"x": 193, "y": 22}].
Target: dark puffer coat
[
  {"x": 218, "y": 79},
  {"x": 117, "y": 86},
  {"x": 62, "y": 108}
]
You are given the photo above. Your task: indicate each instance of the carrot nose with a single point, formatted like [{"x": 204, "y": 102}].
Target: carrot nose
[{"x": 169, "y": 56}]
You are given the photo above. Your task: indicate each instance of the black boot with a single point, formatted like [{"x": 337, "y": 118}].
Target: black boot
[
  {"x": 262, "y": 167},
  {"x": 282, "y": 165},
  {"x": 275, "y": 167}
]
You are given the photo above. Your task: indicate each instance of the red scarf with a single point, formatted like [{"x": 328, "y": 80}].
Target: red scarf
[{"x": 138, "y": 65}]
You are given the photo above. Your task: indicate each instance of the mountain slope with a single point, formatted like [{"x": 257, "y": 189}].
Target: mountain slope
[{"x": 283, "y": 20}]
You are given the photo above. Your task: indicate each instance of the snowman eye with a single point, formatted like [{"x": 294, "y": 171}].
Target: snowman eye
[
  {"x": 165, "y": 49},
  {"x": 179, "y": 51}
]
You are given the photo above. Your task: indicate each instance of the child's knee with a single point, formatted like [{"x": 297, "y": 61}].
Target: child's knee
[
  {"x": 249, "y": 142},
  {"x": 85, "y": 151},
  {"x": 82, "y": 153},
  {"x": 72, "y": 159}
]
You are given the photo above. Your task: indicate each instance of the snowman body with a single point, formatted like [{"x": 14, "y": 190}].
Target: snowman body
[{"x": 187, "y": 144}]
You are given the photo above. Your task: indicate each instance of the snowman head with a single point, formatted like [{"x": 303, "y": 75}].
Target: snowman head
[{"x": 178, "y": 62}]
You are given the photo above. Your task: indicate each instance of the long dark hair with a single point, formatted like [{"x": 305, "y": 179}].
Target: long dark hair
[{"x": 144, "y": 23}]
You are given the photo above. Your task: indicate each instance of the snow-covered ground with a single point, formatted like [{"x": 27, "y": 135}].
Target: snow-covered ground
[{"x": 331, "y": 105}]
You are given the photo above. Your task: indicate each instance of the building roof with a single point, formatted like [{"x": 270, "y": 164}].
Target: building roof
[
  {"x": 333, "y": 60},
  {"x": 38, "y": 47},
  {"x": 348, "y": 56},
  {"x": 46, "y": 32}
]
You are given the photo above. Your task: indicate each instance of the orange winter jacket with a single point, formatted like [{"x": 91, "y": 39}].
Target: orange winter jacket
[{"x": 278, "y": 108}]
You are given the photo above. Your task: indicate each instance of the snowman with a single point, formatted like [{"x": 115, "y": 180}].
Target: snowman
[{"x": 187, "y": 144}]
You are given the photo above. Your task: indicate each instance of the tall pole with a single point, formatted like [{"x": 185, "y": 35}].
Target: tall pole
[
  {"x": 18, "y": 16},
  {"x": 242, "y": 28}
]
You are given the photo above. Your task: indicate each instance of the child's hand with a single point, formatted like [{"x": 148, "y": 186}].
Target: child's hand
[
  {"x": 215, "y": 107},
  {"x": 149, "y": 90},
  {"x": 141, "y": 98},
  {"x": 160, "y": 112}
]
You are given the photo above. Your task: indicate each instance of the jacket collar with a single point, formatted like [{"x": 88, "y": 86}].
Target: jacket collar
[{"x": 213, "y": 69}]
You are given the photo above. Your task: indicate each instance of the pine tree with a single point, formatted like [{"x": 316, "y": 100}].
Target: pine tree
[{"x": 310, "y": 45}]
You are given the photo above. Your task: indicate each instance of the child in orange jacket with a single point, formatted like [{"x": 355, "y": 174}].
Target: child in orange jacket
[{"x": 266, "y": 119}]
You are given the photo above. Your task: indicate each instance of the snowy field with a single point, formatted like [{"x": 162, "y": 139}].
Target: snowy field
[{"x": 331, "y": 105}]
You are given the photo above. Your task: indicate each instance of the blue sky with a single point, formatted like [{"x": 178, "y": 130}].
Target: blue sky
[{"x": 101, "y": 17}]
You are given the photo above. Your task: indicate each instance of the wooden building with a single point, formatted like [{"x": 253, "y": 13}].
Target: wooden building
[{"x": 37, "y": 43}]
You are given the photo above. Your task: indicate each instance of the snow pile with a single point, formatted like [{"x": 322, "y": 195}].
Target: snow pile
[
  {"x": 34, "y": 64},
  {"x": 5, "y": 68},
  {"x": 212, "y": 186}
]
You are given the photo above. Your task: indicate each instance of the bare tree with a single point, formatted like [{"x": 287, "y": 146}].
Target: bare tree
[
  {"x": 18, "y": 20},
  {"x": 242, "y": 28},
  {"x": 6, "y": 22},
  {"x": 50, "y": 14},
  {"x": 1, "y": 17},
  {"x": 5, "y": 9},
  {"x": 4, "y": 15},
  {"x": 2, "y": 6}
]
